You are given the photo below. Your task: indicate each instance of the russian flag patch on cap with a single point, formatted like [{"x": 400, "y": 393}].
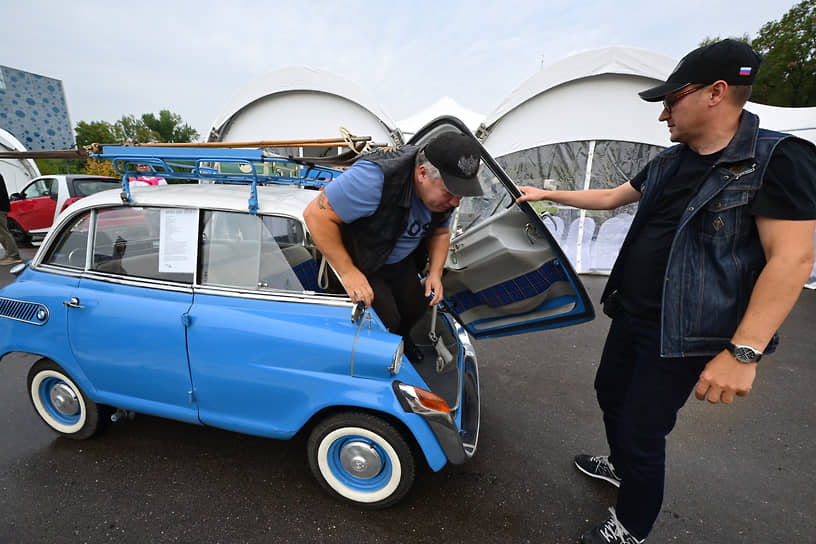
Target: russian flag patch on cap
[{"x": 745, "y": 71}]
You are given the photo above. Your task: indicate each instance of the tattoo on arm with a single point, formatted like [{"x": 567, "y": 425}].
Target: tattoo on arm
[{"x": 323, "y": 202}]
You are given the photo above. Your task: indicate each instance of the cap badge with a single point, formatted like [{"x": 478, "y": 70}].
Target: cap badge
[
  {"x": 468, "y": 165},
  {"x": 745, "y": 71}
]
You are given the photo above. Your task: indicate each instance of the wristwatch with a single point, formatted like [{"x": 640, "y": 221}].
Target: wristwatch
[{"x": 744, "y": 354}]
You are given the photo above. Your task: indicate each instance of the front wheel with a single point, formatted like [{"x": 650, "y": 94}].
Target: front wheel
[
  {"x": 362, "y": 459},
  {"x": 60, "y": 402}
]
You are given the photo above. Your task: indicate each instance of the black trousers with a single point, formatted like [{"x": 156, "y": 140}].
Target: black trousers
[
  {"x": 640, "y": 394},
  {"x": 399, "y": 298}
]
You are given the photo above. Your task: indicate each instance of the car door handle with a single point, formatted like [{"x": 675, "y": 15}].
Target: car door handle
[{"x": 73, "y": 303}]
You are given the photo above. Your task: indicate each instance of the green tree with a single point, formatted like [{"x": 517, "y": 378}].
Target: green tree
[
  {"x": 100, "y": 132},
  {"x": 131, "y": 129},
  {"x": 166, "y": 127},
  {"x": 60, "y": 166},
  {"x": 787, "y": 76},
  {"x": 709, "y": 40},
  {"x": 169, "y": 127}
]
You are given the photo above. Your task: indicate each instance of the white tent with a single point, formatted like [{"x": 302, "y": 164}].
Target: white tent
[
  {"x": 301, "y": 103},
  {"x": 579, "y": 124},
  {"x": 444, "y": 106},
  {"x": 16, "y": 172}
]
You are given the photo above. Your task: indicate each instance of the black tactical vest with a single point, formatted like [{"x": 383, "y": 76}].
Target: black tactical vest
[{"x": 370, "y": 240}]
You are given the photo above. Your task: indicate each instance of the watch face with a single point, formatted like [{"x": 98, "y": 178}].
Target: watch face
[{"x": 745, "y": 354}]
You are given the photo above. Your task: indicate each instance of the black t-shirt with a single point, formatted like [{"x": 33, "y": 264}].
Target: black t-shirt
[{"x": 788, "y": 191}]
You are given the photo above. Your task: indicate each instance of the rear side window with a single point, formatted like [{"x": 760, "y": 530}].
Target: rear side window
[
  {"x": 154, "y": 243},
  {"x": 255, "y": 252}
]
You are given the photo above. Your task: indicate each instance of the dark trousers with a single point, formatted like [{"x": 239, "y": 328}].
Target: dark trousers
[
  {"x": 399, "y": 298},
  {"x": 640, "y": 393}
]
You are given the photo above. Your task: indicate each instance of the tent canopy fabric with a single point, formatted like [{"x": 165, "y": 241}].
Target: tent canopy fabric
[
  {"x": 16, "y": 172},
  {"x": 300, "y": 103},
  {"x": 592, "y": 95},
  {"x": 609, "y": 60},
  {"x": 444, "y": 106}
]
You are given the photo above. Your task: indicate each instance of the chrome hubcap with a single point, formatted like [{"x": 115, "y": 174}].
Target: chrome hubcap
[
  {"x": 361, "y": 459},
  {"x": 64, "y": 400}
]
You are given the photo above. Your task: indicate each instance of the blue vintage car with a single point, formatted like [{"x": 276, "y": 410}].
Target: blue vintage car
[{"x": 207, "y": 303}]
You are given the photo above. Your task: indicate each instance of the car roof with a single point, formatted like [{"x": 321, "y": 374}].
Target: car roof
[{"x": 272, "y": 199}]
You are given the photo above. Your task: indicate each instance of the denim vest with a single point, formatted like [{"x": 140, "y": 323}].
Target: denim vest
[{"x": 716, "y": 255}]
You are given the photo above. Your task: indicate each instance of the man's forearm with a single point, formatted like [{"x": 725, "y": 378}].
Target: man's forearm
[
  {"x": 590, "y": 199},
  {"x": 438, "y": 246}
]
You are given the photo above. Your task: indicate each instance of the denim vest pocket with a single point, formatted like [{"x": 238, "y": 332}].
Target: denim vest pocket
[{"x": 723, "y": 216}]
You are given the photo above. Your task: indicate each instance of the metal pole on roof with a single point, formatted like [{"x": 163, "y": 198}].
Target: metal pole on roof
[{"x": 328, "y": 142}]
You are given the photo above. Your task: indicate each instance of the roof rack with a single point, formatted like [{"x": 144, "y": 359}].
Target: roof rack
[
  {"x": 222, "y": 162},
  {"x": 251, "y": 167}
]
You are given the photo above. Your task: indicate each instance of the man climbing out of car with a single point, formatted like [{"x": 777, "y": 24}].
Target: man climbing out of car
[{"x": 379, "y": 221}]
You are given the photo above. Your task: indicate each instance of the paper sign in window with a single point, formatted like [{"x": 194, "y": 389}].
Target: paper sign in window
[{"x": 177, "y": 241}]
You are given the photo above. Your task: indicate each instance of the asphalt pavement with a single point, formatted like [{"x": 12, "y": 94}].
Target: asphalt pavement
[{"x": 739, "y": 473}]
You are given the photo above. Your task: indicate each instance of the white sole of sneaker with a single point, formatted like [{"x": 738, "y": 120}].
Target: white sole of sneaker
[{"x": 598, "y": 477}]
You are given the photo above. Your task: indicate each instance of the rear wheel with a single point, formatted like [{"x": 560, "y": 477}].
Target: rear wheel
[
  {"x": 60, "y": 402},
  {"x": 362, "y": 459},
  {"x": 21, "y": 237}
]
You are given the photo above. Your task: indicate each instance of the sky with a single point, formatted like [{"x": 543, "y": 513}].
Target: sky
[{"x": 117, "y": 58}]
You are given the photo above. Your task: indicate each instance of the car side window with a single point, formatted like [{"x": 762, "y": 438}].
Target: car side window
[
  {"x": 254, "y": 252},
  {"x": 475, "y": 209},
  {"x": 136, "y": 241},
  {"x": 70, "y": 248},
  {"x": 40, "y": 188}
]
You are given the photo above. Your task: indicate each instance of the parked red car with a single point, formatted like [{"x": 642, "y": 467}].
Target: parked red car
[{"x": 36, "y": 207}]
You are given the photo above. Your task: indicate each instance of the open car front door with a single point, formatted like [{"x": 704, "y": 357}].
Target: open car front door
[{"x": 505, "y": 273}]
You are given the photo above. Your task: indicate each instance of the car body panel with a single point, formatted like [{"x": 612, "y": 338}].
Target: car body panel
[{"x": 111, "y": 320}]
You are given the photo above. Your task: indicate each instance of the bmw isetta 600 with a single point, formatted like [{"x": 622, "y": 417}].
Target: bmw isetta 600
[{"x": 207, "y": 303}]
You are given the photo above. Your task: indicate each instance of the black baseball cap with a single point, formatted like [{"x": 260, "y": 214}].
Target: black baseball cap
[
  {"x": 457, "y": 157},
  {"x": 732, "y": 61}
]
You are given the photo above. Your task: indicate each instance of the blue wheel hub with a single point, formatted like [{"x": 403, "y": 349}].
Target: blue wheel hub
[
  {"x": 60, "y": 400},
  {"x": 359, "y": 463}
]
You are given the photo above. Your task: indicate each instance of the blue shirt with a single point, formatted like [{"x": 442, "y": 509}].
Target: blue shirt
[{"x": 357, "y": 193}]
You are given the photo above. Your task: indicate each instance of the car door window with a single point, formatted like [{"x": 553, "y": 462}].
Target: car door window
[
  {"x": 130, "y": 241},
  {"x": 255, "y": 252},
  {"x": 474, "y": 209},
  {"x": 40, "y": 188}
]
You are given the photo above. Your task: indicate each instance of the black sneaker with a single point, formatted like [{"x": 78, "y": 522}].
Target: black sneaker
[
  {"x": 610, "y": 531},
  {"x": 598, "y": 467}
]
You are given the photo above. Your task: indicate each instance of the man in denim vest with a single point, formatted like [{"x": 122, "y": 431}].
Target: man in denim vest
[{"x": 717, "y": 254}]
